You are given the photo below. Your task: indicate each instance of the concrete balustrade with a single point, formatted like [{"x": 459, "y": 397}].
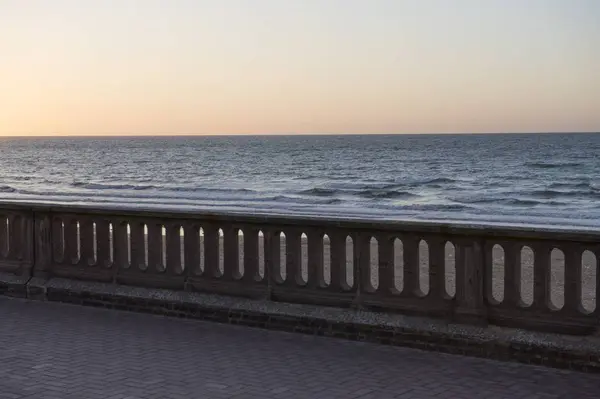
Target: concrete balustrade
[
  {"x": 535, "y": 279},
  {"x": 16, "y": 241}
]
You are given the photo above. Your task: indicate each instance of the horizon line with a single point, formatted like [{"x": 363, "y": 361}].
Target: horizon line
[{"x": 125, "y": 135}]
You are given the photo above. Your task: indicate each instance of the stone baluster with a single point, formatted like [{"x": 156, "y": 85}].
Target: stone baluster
[
  {"x": 28, "y": 241},
  {"x": 139, "y": 245},
  {"x": 410, "y": 246},
  {"x": 437, "y": 268},
  {"x": 489, "y": 273},
  {"x": 173, "y": 238},
  {"x": 512, "y": 275},
  {"x": 16, "y": 245},
  {"x": 271, "y": 256},
  {"x": 338, "y": 262},
  {"x": 470, "y": 260},
  {"x": 103, "y": 243},
  {"x": 4, "y": 241},
  {"x": 58, "y": 244},
  {"x": 251, "y": 266},
  {"x": 231, "y": 261},
  {"x": 43, "y": 244},
  {"x": 596, "y": 252},
  {"x": 362, "y": 256},
  {"x": 315, "y": 260},
  {"x": 191, "y": 245},
  {"x": 121, "y": 244},
  {"x": 387, "y": 276},
  {"x": 155, "y": 247},
  {"x": 87, "y": 240},
  {"x": 293, "y": 260},
  {"x": 572, "y": 272},
  {"x": 71, "y": 235},
  {"x": 71, "y": 240},
  {"x": 16, "y": 249},
  {"x": 541, "y": 275},
  {"x": 12, "y": 231},
  {"x": 272, "y": 245},
  {"x": 211, "y": 251}
]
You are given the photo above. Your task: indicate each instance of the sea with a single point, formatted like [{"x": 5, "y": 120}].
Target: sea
[{"x": 500, "y": 179}]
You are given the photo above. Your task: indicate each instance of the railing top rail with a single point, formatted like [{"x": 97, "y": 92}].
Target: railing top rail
[{"x": 408, "y": 226}]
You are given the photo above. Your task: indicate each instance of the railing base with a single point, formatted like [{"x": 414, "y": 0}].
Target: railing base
[
  {"x": 13, "y": 286},
  {"x": 470, "y": 316},
  {"x": 84, "y": 273},
  {"x": 237, "y": 288},
  {"x": 409, "y": 306},
  {"x": 313, "y": 297},
  {"x": 152, "y": 280},
  {"x": 19, "y": 268},
  {"x": 543, "y": 322}
]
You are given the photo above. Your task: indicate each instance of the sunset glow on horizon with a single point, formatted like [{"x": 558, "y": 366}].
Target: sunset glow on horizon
[{"x": 128, "y": 67}]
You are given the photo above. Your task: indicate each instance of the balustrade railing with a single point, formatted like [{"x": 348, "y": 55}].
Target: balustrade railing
[
  {"x": 519, "y": 277},
  {"x": 16, "y": 245}
]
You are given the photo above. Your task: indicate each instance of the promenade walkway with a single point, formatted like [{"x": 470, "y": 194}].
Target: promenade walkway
[{"x": 52, "y": 350}]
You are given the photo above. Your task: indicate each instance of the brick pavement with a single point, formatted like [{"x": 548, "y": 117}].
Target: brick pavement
[{"x": 61, "y": 351}]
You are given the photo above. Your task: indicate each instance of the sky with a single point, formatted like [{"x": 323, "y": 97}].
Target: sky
[{"x": 126, "y": 67}]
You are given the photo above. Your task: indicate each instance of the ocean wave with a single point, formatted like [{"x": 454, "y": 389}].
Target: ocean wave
[
  {"x": 145, "y": 187},
  {"x": 552, "y": 194},
  {"x": 385, "y": 194},
  {"x": 51, "y": 182},
  {"x": 552, "y": 165},
  {"x": 142, "y": 197},
  {"x": 372, "y": 191},
  {"x": 350, "y": 186},
  {"x": 205, "y": 189},
  {"x": 549, "y": 194},
  {"x": 100, "y": 186},
  {"x": 7, "y": 189},
  {"x": 307, "y": 177},
  {"x": 435, "y": 207},
  {"x": 437, "y": 180},
  {"x": 519, "y": 202},
  {"x": 320, "y": 192},
  {"x": 385, "y": 181},
  {"x": 356, "y": 187},
  {"x": 420, "y": 182},
  {"x": 477, "y": 200},
  {"x": 526, "y": 202},
  {"x": 516, "y": 202},
  {"x": 286, "y": 199},
  {"x": 568, "y": 185},
  {"x": 134, "y": 195},
  {"x": 18, "y": 178}
]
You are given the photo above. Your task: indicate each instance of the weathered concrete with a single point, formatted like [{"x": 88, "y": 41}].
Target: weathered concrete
[{"x": 55, "y": 351}]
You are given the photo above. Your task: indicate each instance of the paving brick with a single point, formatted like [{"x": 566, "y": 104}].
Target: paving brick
[{"x": 53, "y": 350}]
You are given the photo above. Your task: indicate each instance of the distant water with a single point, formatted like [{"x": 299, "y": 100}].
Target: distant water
[{"x": 546, "y": 179}]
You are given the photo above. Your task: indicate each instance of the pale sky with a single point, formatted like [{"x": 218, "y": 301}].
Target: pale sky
[{"x": 91, "y": 67}]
